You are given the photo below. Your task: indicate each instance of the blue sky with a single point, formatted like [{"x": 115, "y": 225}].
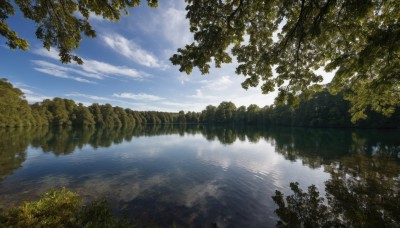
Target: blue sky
[{"x": 127, "y": 65}]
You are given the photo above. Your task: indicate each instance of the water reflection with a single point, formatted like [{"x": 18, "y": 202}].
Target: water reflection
[
  {"x": 292, "y": 143},
  {"x": 12, "y": 150},
  {"x": 196, "y": 174},
  {"x": 363, "y": 191}
]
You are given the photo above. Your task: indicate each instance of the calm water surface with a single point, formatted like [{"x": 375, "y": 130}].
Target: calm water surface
[{"x": 196, "y": 175}]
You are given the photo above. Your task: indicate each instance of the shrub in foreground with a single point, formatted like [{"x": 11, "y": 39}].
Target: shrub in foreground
[{"x": 61, "y": 208}]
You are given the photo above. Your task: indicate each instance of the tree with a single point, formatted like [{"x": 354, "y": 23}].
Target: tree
[
  {"x": 181, "y": 117},
  {"x": 62, "y": 111},
  {"x": 358, "y": 39},
  {"x": 96, "y": 113},
  {"x": 61, "y": 23},
  {"x": 209, "y": 113},
  {"x": 84, "y": 117},
  {"x": 240, "y": 116},
  {"x": 14, "y": 110},
  {"x": 107, "y": 112},
  {"x": 225, "y": 112},
  {"x": 253, "y": 113}
]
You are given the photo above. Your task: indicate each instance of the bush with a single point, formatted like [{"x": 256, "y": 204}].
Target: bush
[{"x": 61, "y": 208}]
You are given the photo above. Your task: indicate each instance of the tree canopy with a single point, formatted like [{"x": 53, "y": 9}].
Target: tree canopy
[
  {"x": 61, "y": 23},
  {"x": 358, "y": 40}
]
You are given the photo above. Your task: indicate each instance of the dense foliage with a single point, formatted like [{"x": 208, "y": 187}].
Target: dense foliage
[
  {"x": 360, "y": 40},
  {"x": 322, "y": 110},
  {"x": 14, "y": 111},
  {"x": 61, "y": 208}
]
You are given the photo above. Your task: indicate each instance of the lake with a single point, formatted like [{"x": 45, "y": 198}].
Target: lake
[{"x": 195, "y": 176}]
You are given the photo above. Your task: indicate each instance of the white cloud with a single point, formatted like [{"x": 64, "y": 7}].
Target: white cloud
[
  {"x": 218, "y": 84},
  {"x": 102, "y": 68},
  {"x": 57, "y": 72},
  {"x": 254, "y": 97},
  {"x": 183, "y": 78},
  {"x": 52, "y": 53},
  {"x": 90, "y": 68},
  {"x": 23, "y": 86},
  {"x": 131, "y": 50},
  {"x": 26, "y": 91},
  {"x": 139, "y": 96},
  {"x": 92, "y": 97},
  {"x": 199, "y": 95},
  {"x": 169, "y": 23},
  {"x": 36, "y": 98},
  {"x": 103, "y": 100},
  {"x": 186, "y": 106},
  {"x": 63, "y": 71},
  {"x": 175, "y": 27}
]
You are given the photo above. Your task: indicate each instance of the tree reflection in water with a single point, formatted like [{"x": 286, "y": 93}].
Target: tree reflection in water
[
  {"x": 363, "y": 189},
  {"x": 12, "y": 150},
  {"x": 363, "y": 192}
]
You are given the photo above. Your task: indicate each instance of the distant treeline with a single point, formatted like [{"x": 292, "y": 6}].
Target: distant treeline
[
  {"x": 322, "y": 110},
  {"x": 16, "y": 112}
]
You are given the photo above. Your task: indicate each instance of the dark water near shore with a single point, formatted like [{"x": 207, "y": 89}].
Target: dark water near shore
[{"x": 197, "y": 175}]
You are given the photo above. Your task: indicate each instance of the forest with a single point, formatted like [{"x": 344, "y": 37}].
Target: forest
[{"x": 321, "y": 110}]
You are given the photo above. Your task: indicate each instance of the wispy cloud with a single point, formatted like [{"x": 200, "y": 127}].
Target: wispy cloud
[
  {"x": 90, "y": 69},
  {"x": 57, "y": 71},
  {"x": 103, "y": 69},
  {"x": 102, "y": 100},
  {"x": 91, "y": 97},
  {"x": 131, "y": 50},
  {"x": 23, "y": 86},
  {"x": 139, "y": 96},
  {"x": 52, "y": 53},
  {"x": 65, "y": 69}
]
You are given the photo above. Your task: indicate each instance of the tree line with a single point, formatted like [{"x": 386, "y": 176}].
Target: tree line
[
  {"x": 16, "y": 112},
  {"x": 322, "y": 110}
]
